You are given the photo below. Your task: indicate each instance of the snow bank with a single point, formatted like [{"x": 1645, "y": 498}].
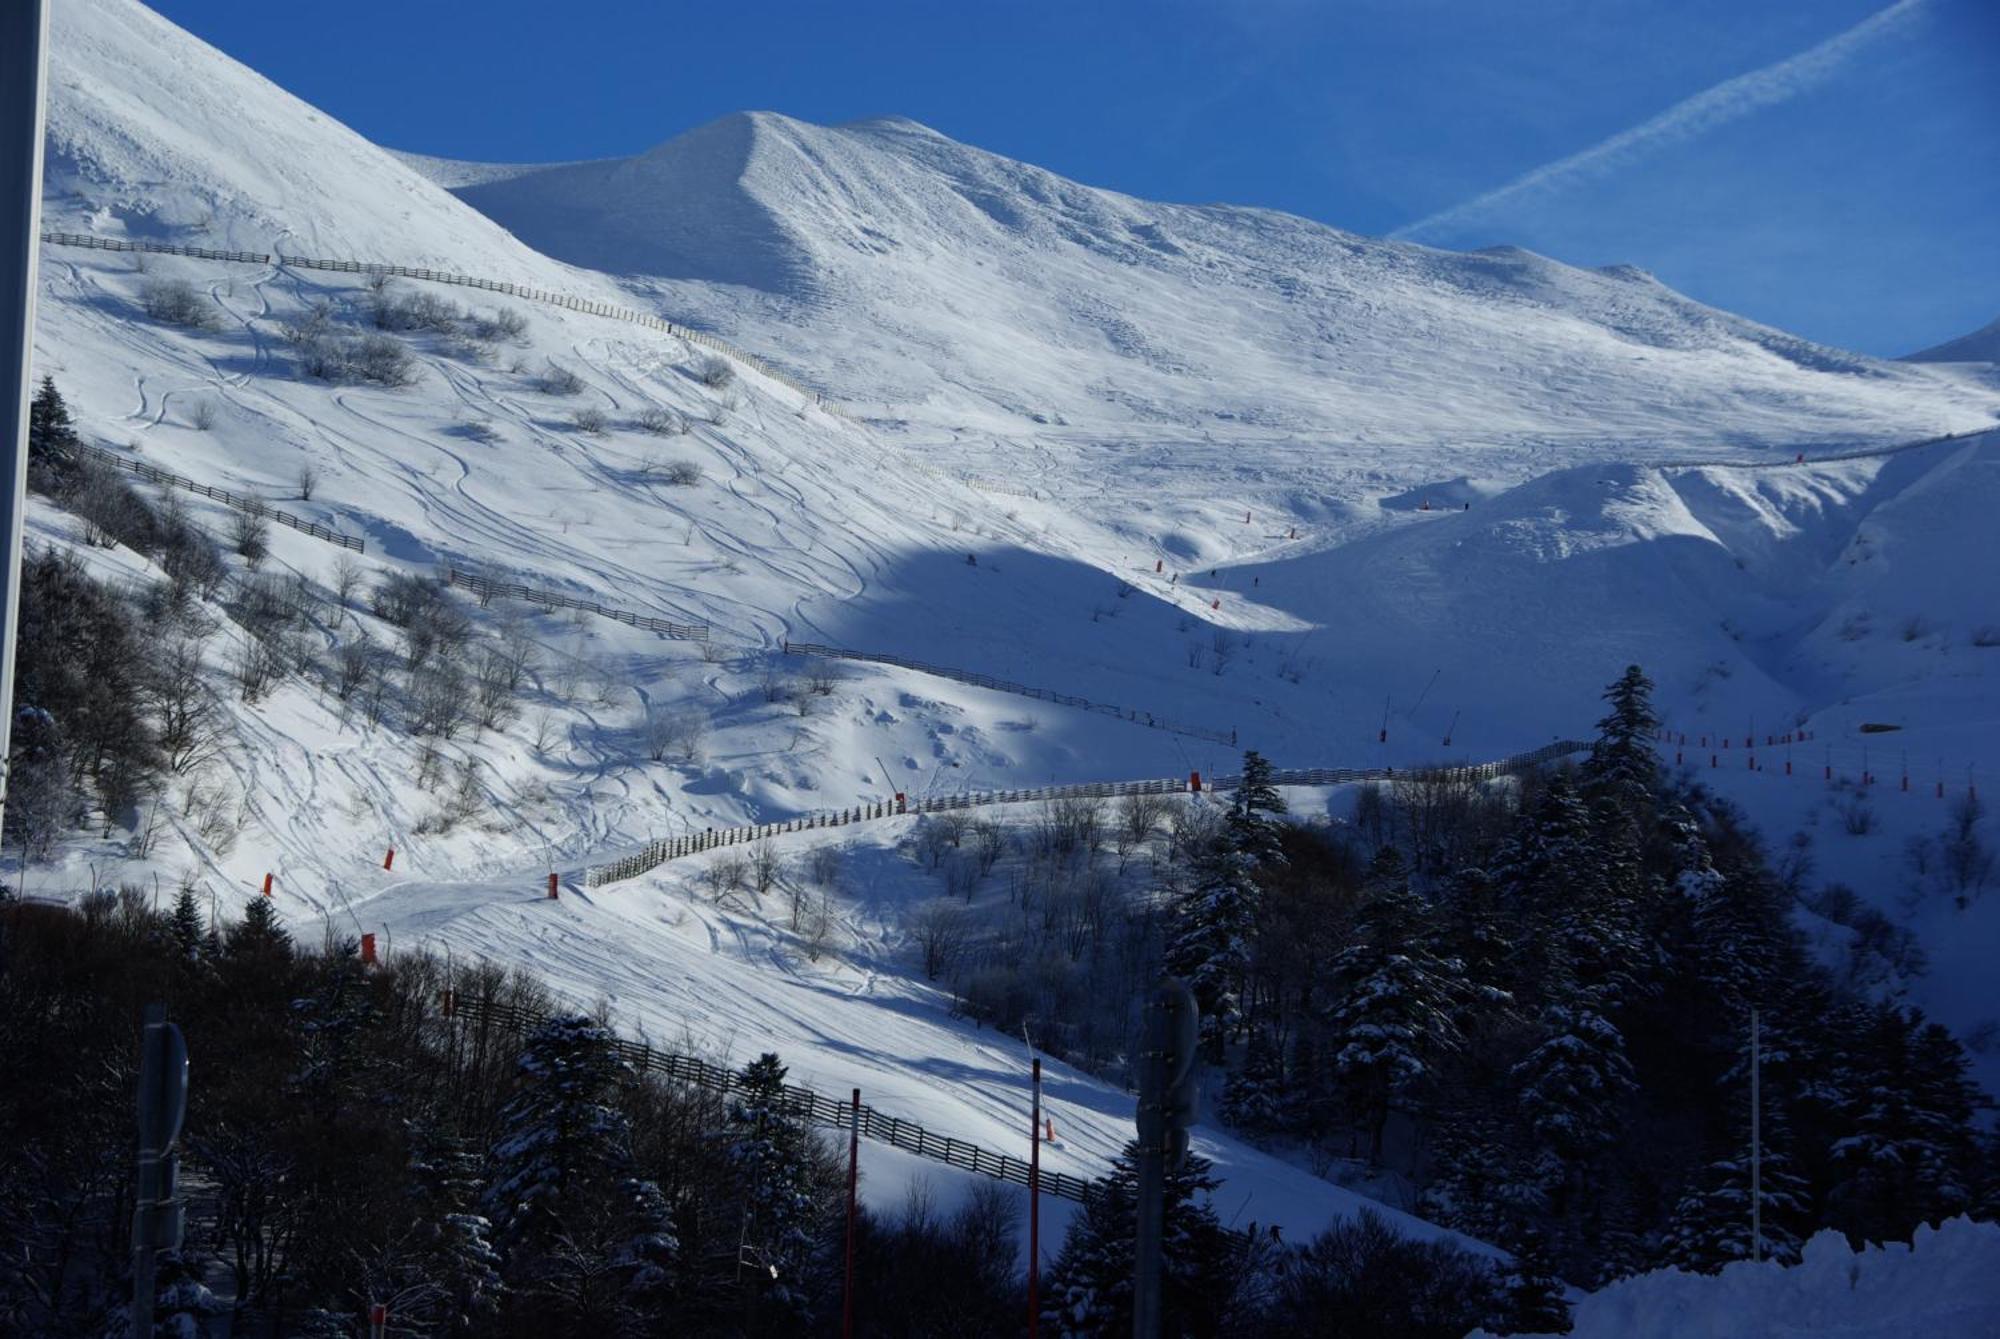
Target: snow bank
[{"x": 1946, "y": 1285}]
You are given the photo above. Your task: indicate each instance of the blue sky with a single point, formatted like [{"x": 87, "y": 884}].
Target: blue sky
[{"x": 1828, "y": 166}]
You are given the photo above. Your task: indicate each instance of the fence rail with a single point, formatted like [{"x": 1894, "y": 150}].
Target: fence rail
[
  {"x": 487, "y": 589},
  {"x": 814, "y": 1107},
  {"x": 977, "y": 680},
  {"x": 240, "y": 501},
  {"x": 605, "y": 309},
  {"x": 659, "y": 852}
]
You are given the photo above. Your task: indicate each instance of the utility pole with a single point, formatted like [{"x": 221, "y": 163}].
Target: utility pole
[
  {"x": 1756, "y": 1139},
  {"x": 24, "y": 44},
  {"x": 1166, "y": 1109}
]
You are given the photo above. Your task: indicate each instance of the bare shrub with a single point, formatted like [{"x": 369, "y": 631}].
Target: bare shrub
[
  {"x": 987, "y": 842},
  {"x": 660, "y": 422},
  {"x": 591, "y": 420},
  {"x": 439, "y": 703},
  {"x": 818, "y": 927},
  {"x": 1857, "y": 816},
  {"x": 1068, "y": 828},
  {"x": 418, "y": 311},
  {"x": 346, "y": 579},
  {"x": 714, "y": 371},
  {"x": 728, "y": 873},
  {"x": 176, "y": 302},
  {"x": 1915, "y": 628},
  {"x": 559, "y": 380},
  {"x": 187, "y": 721},
  {"x": 680, "y": 474},
  {"x": 381, "y": 359},
  {"x": 938, "y": 930},
  {"x": 1968, "y": 861},
  {"x": 1137, "y": 818},
  {"x": 204, "y": 415},
  {"x": 1986, "y": 634},
  {"x": 674, "y": 733},
  {"x": 823, "y": 865},
  {"x": 308, "y": 480},
  {"x": 822, "y": 678},
  {"x": 353, "y": 660},
  {"x": 764, "y": 865},
  {"x": 250, "y": 535},
  {"x": 478, "y": 430},
  {"x": 504, "y": 323}
]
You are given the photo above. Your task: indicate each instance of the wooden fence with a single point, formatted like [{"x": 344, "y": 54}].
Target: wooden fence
[
  {"x": 977, "y": 680},
  {"x": 564, "y": 300},
  {"x": 657, "y": 853},
  {"x": 487, "y": 589},
  {"x": 813, "y": 1107},
  {"x": 240, "y": 501}
]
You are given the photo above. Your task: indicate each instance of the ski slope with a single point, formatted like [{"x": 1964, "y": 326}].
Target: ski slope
[{"x": 1221, "y": 465}]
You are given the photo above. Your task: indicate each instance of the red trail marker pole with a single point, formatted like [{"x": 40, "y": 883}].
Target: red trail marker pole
[
  {"x": 389, "y": 860},
  {"x": 267, "y": 885},
  {"x": 554, "y": 880}
]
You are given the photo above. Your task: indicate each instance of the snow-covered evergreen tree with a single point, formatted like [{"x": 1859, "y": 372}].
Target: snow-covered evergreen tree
[
  {"x": 771, "y": 1161},
  {"x": 582, "y": 1237},
  {"x": 1394, "y": 1001},
  {"x": 1571, "y": 1086},
  {"x": 187, "y": 926},
  {"x": 1910, "y": 1155},
  {"x": 1253, "y": 1098},
  {"x": 1088, "y": 1292},
  {"x": 1623, "y": 766},
  {"x": 1208, "y": 936}
]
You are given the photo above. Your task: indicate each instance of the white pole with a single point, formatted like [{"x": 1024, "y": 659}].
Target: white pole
[
  {"x": 24, "y": 42},
  {"x": 1756, "y": 1141}
]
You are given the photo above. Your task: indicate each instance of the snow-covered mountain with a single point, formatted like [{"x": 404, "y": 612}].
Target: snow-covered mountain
[
  {"x": 1228, "y": 466},
  {"x": 1981, "y": 346},
  {"x": 926, "y": 279}
]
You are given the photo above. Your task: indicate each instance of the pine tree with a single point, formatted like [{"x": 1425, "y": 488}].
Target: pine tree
[
  {"x": 1253, "y": 1097},
  {"x": 770, "y": 1158},
  {"x": 260, "y": 934},
  {"x": 1208, "y": 939},
  {"x": 1909, "y": 1155},
  {"x": 1622, "y": 766},
  {"x": 1532, "y": 1300},
  {"x": 569, "y": 1215},
  {"x": 1249, "y": 822},
  {"x": 1395, "y": 1001},
  {"x": 186, "y": 926},
  {"x": 1572, "y": 1085},
  {"x": 1711, "y": 1223},
  {"x": 1088, "y": 1291},
  {"x": 52, "y": 438}
]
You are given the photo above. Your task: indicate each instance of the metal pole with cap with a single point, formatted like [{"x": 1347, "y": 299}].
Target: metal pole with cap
[
  {"x": 24, "y": 42},
  {"x": 156, "y": 1221}
]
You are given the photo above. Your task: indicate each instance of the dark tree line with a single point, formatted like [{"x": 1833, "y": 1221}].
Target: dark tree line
[{"x": 1537, "y": 1011}]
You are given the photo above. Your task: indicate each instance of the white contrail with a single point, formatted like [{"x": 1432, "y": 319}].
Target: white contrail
[{"x": 1714, "y": 106}]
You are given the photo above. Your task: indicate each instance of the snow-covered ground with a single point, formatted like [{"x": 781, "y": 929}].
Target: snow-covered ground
[
  {"x": 1258, "y": 475},
  {"x": 1941, "y": 1284}
]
